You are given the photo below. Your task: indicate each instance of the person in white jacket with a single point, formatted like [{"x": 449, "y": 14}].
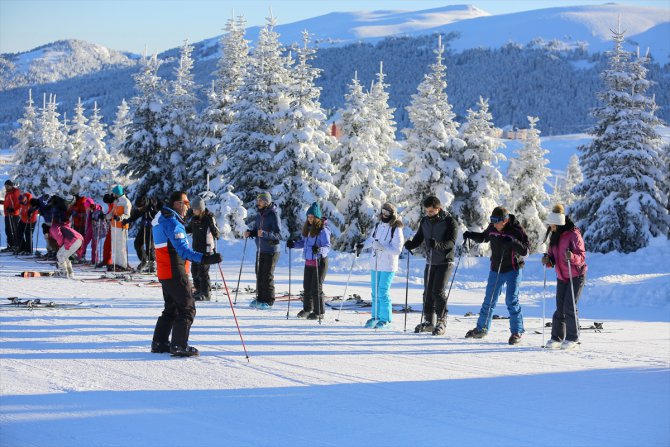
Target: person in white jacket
[
  {"x": 119, "y": 232},
  {"x": 385, "y": 244}
]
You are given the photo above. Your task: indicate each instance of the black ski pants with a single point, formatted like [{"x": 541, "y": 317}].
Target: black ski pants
[
  {"x": 434, "y": 298},
  {"x": 144, "y": 245},
  {"x": 11, "y": 230},
  {"x": 565, "y": 320},
  {"x": 25, "y": 234},
  {"x": 178, "y": 312},
  {"x": 313, "y": 287},
  {"x": 265, "y": 277},
  {"x": 200, "y": 274}
]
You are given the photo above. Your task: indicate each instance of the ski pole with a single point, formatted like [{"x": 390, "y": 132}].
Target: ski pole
[
  {"x": 232, "y": 308},
  {"x": 37, "y": 237},
  {"x": 288, "y": 308},
  {"x": 544, "y": 297},
  {"x": 407, "y": 291},
  {"x": 244, "y": 251},
  {"x": 376, "y": 301},
  {"x": 453, "y": 277},
  {"x": 426, "y": 287},
  {"x": 572, "y": 291},
  {"x": 346, "y": 286},
  {"x": 493, "y": 292},
  {"x": 319, "y": 298}
]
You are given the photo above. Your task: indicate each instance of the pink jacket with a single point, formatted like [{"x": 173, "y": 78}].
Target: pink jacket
[
  {"x": 64, "y": 235},
  {"x": 570, "y": 239}
]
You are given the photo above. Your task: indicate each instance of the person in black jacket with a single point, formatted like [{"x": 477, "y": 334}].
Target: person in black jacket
[
  {"x": 202, "y": 226},
  {"x": 438, "y": 230},
  {"x": 145, "y": 210},
  {"x": 509, "y": 244}
]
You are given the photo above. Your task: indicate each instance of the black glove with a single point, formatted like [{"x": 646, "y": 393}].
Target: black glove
[
  {"x": 34, "y": 202},
  {"x": 212, "y": 258},
  {"x": 290, "y": 243},
  {"x": 124, "y": 221},
  {"x": 315, "y": 250},
  {"x": 10, "y": 209},
  {"x": 359, "y": 248},
  {"x": 116, "y": 218},
  {"x": 407, "y": 244},
  {"x": 431, "y": 243},
  {"x": 467, "y": 235}
]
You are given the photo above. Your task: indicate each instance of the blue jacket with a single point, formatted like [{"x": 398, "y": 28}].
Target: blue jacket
[
  {"x": 172, "y": 249},
  {"x": 321, "y": 240},
  {"x": 267, "y": 220}
]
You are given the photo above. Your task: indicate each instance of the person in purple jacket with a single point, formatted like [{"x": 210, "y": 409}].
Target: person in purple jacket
[
  {"x": 315, "y": 243},
  {"x": 566, "y": 244}
]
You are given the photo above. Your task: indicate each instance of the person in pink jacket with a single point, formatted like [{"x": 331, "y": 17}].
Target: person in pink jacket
[
  {"x": 69, "y": 242},
  {"x": 566, "y": 244}
]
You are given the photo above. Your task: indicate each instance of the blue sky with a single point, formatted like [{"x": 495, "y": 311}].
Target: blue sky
[{"x": 130, "y": 25}]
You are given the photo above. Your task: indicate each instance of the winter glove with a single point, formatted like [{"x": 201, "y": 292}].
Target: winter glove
[
  {"x": 359, "y": 248},
  {"x": 290, "y": 243},
  {"x": 34, "y": 202},
  {"x": 10, "y": 209},
  {"x": 546, "y": 261},
  {"x": 117, "y": 218},
  {"x": 315, "y": 250},
  {"x": 467, "y": 235},
  {"x": 247, "y": 233},
  {"x": 212, "y": 258},
  {"x": 431, "y": 243},
  {"x": 124, "y": 221},
  {"x": 568, "y": 254},
  {"x": 378, "y": 246}
]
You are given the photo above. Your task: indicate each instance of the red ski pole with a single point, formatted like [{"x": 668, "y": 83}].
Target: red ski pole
[{"x": 232, "y": 308}]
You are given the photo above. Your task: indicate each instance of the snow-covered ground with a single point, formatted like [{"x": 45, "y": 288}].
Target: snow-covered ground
[{"x": 85, "y": 376}]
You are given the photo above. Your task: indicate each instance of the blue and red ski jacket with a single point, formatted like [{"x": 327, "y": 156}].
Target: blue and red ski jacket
[{"x": 173, "y": 252}]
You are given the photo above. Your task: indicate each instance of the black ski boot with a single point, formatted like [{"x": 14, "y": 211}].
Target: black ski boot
[
  {"x": 160, "y": 347},
  {"x": 304, "y": 313},
  {"x": 475, "y": 333},
  {"x": 440, "y": 327},
  {"x": 426, "y": 326},
  {"x": 183, "y": 351},
  {"x": 515, "y": 339}
]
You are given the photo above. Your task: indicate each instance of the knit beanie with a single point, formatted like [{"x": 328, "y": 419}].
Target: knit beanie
[
  {"x": 264, "y": 196},
  {"x": 198, "y": 203},
  {"x": 315, "y": 210},
  {"x": 117, "y": 190},
  {"x": 557, "y": 216}
]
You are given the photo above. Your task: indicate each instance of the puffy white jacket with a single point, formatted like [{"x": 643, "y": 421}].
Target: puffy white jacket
[{"x": 386, "y": 258}]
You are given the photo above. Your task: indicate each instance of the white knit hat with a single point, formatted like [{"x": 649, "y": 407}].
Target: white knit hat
[{"x": 555, "y": 219}]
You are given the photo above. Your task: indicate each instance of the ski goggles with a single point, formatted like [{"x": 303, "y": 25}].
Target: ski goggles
[{"x": 495, "y": 219}]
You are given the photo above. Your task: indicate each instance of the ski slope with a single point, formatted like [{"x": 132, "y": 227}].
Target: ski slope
[{"x": 85, "y": 376}]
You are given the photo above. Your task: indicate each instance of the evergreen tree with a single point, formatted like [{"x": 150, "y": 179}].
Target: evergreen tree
[
  {"x": 564, "y": 192},
  {"x": 360, "y": 166},
  {"x": 119, "y": 131},
  {"x": 218, "y": 114},
  {"x": 145, "y": 148},
  {"x": 230, "y": 213},
  {"x": 485, "y": 185},
  {"x": 93, "y": 173},
  {"x": 527, "y": 175},
  {"x": 249, "y": 144},
  {"x": 27, "y": 145},
  {"x": 622, "y": 205},
  {"x": 302, "y": 160},
  {"x": 180, "y": 124},
  {"x": 76, "y": 132},
  {"x": 431, "y": 144}
]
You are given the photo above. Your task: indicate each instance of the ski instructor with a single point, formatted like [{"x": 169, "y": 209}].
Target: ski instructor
[{"x": 172, "y": 257}]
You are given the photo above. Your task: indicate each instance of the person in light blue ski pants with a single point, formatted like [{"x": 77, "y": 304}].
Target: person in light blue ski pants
[
  {"x": 382, "y": 308},
  {"x": 512, "y": 279}
]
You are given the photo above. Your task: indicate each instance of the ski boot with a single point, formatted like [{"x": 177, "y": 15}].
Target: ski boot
[
  {"x": 183, "y": 351},
  {"x": 426, "y": 326},
  {"x": 160, "y": 347},
  {"x": 440, "y": 327},
  {"x": 553, "y": 344},
  {"x": 372, "y": 322},
  {"x": 313, "y": 316},
  {"x": 304, "y": 313},
  {"x": 569, "y": 345},
  {"x": 382, "y": 325},
  {"x": 514, "y": 339},
  {"x": 475, "y": 333}
]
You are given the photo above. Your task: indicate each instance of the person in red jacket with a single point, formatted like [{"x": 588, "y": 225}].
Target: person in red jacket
[
  {"x": 28, "y": 220},
  {"x": 567, "y": 255},
  {"x": 11, "y": 208},
  {"x": 80, "y": 215}
]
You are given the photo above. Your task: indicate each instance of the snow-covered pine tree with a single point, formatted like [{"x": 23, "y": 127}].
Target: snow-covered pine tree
[
  {"x": 360, "y": 166},
  {"x": 76, "y": 135},
  {"x": 53, "y": 170},
  {"x": 119, "y": 134},
  {"x": 431, "y": 144},
  {"x": 93, "y": 173},
  {"x": 230, "y": 214},
  {"x": 527, "y": 175},
  {"x": 485, "y": 185},
  {"x": 147, "y": 159},
  {"x": 248, "y": 146},
  {"x": 302, "y": 159},
  {"x": 564, "y": 192},
  {"x": 218, "y": 114},
  {"x": 27, "y": 145},
  {"x": 180, "y": 125},
  {"x": 622, "y": 205}
]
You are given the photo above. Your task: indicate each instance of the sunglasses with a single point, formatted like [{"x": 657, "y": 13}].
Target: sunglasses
[
  {"x": 494, "y": 219},
  {"x": 387, "y": 213},
  {"x": 185, "y": 202}
]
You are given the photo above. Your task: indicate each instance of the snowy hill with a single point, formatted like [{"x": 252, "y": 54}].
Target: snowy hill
[{"x": 56, "y": 61}]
